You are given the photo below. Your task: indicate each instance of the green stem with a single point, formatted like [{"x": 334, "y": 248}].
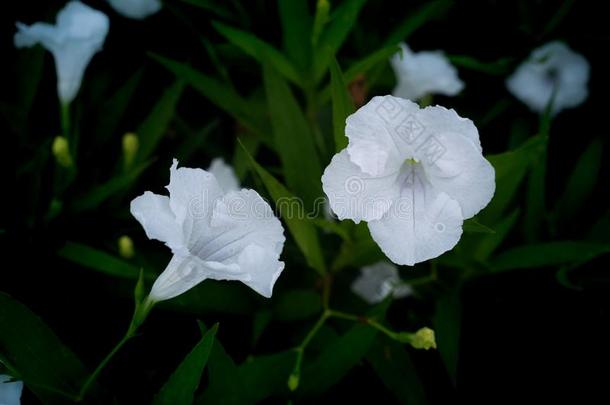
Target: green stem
[
  {"x": 300, "y": 349},
  {"x": 139, "y": 316},
  {"x": 356, "y": 318},
  {"x": 65, "y": 120}
]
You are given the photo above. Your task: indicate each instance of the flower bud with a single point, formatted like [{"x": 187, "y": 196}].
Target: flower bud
[
  {"x": 61, "y": 151},
  {"x": 423, "y": 339},
  {"x": 126, "y": 249},
  {"x": 131, "y": 144},
  {"x": 293, "y": 382}
]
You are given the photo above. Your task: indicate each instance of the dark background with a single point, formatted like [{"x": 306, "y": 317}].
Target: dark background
[{"x": 524, "y": 335}]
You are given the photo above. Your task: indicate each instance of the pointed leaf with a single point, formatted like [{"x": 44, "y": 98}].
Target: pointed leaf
[{"x": 342, "y": 104}]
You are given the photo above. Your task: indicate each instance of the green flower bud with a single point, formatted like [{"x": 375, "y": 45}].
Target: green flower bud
[
  {"x": 126, "y": 249},
  {"x": 293, "y": 382},
  {"x": 61, "y": 151},
  {"x": 423, "y": 339},
  {"x": 131, "y": 144}
]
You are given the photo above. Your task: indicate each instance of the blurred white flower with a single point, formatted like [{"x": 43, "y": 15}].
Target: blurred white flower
[
  {"x": 10, "y": 392},
  {"x": 225, "y": 175},
  {"x": 213, "y": 234},
  {"x": 379, "y": 280},
  {"x": 413, "y": 174},
  {"x": 136, "y": 9},
  {"x": 79, "y": 32},
  {"x": 422, "y": 73},
  {"x": 552, "y": 71}
]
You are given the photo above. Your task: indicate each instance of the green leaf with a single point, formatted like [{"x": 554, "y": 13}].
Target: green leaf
[
  {"x": 99, "y": 194},
  {"x": 486, "y": 246},
  {"x": 296, "y": 28},
  {"x": 498, "y": 67},
  {"x": 114, "y": 108},
  {"x": 581, "y": 183},
  {"x": 342, "y": 20},
  {"x": 217, "y": 7},
  {"x": 96, "y": 259},
  {"x": 156, "y": 123},
  {"x": 342, "y": 104},
  {"x": 336, "y": 359},
  {"x": 302, "y": 230},
  {"x": 182, "y": 384},
  {"x": 33, "y": 353},
  {"x": 295, "y": 305},
  {"x": 418, "y": 18},
  {"x": 394, "y": 367},
  {"x": 218, "y": 93},
  {"x": 264, "y": 53},
  {"x": 293, "y": 139},
  {"x": 447, "y": 329},
  {"x": 266, "y": 376},
  {"x": 474, "y": 226},
  {"x": 320, "y": 20},
  {"x": 511, "y": 168},
  {"x": 548, "y": 254}
]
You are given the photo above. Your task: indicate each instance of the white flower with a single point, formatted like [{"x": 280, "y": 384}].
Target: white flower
[
  {"x": 423, "y": 73},
  {"x": 136, "y": 9},
  {"x": 379, "y": 280},
  {"x": 413, "y": 174},
  {"x": 212, "y": 234},
  {"x": 10, "y": 392},
  {"x": 551, "y": 69},
  {"x": 79, "y": 32},
  {"x": 225, "y": 175}
]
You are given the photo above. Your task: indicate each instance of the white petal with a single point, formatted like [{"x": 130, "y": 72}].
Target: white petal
[
  {"x": 437, "y": 119},
  {"x": 78, "y": 34},
  {"x": 421, "y": 225},
  {"x": 455, "y": 166},
  {"x": 158, "y": 220},
  {"x": 225, "y": 175},
  {"x": 185, "y": 272},
  {"x": 379, "y": 133},
  {"x": 422, "y": 73},
  {"x": 552, "y": 68},
  {"x": 263, "y": 267},
  {"x": 192, "y": 196},
  {"x": 377, "y": 281},
  {"x": 10, "y": 392},
  {"x": 356, "y": 195},
  {"x": 136, "y": 9}
]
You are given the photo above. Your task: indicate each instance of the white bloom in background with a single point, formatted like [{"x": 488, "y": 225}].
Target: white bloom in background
[
  {"x": 10, "y": 392},
  {"x": 213, "y": 234},
  {"x": 422, "y": 73},
  {"x": 553, "y": 69},
  {"x": 79, "y": 32},
  {"x": 413, "y": 174},
  {"x": 379, "y": 280},
  {"x": 225, "y": 175},
  {"x": 136, "y": 9}
]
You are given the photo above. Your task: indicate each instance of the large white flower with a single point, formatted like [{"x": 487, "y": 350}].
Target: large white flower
[
  {"x": 10, "y": 392},
  {"x": 212, "y": 233},
  {"x": 225, "y": 175},
  {"x": 379, "y": 280},
  {"x": 552, "y": 71},
  {"x": 136, "y": 9},
  {"x": 79, "y": 32},
  {"x": 413, "y": 174},
  {"x": 422, "y": 73}
]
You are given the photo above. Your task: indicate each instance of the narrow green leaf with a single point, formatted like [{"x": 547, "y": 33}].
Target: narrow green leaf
[
  {"x": 581, "y": 183},
  {"x": 182, "y": 384},
  {"x": 320, "y": 20},
  {"x": 474, "y": 226},
  {"x": 98, "y": 260},
  {"x": 447, "y": 329},
  {"x": 290, "y": 207},
  {"x": 418, "y": 18},
  {"x": 295, "y": 305},
  {"x": 336, "y": 359},
  {"x": 151, "y": 131},
  {"x": 511, "y": 168},
  {"x": 486, "y": 246},
  {"x": 342, "y": 20},
  {"x": 217, "y": 7},
  {"x": 498, "y": 67},
  {"x": 114, "y": 108},
  {"x": 217, "y": 92},
  {"x": 394, "y": 367},
  {"x": 296, "y": 28},
  {"x": 96, "y": 196},
  {"x": 342, "y": 104},
  {"x": 259, "y": 50},
  {"x": 293, "y": 139},
  {"x": 33, "y": 353},
  {"x": 265, "y": 376},
  {"x": 548, "y": 254}
]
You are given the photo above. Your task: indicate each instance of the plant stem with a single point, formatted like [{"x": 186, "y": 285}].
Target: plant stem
[
  {"x": 139, "y": 315},
  {"x": 357, "y": 318}
]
